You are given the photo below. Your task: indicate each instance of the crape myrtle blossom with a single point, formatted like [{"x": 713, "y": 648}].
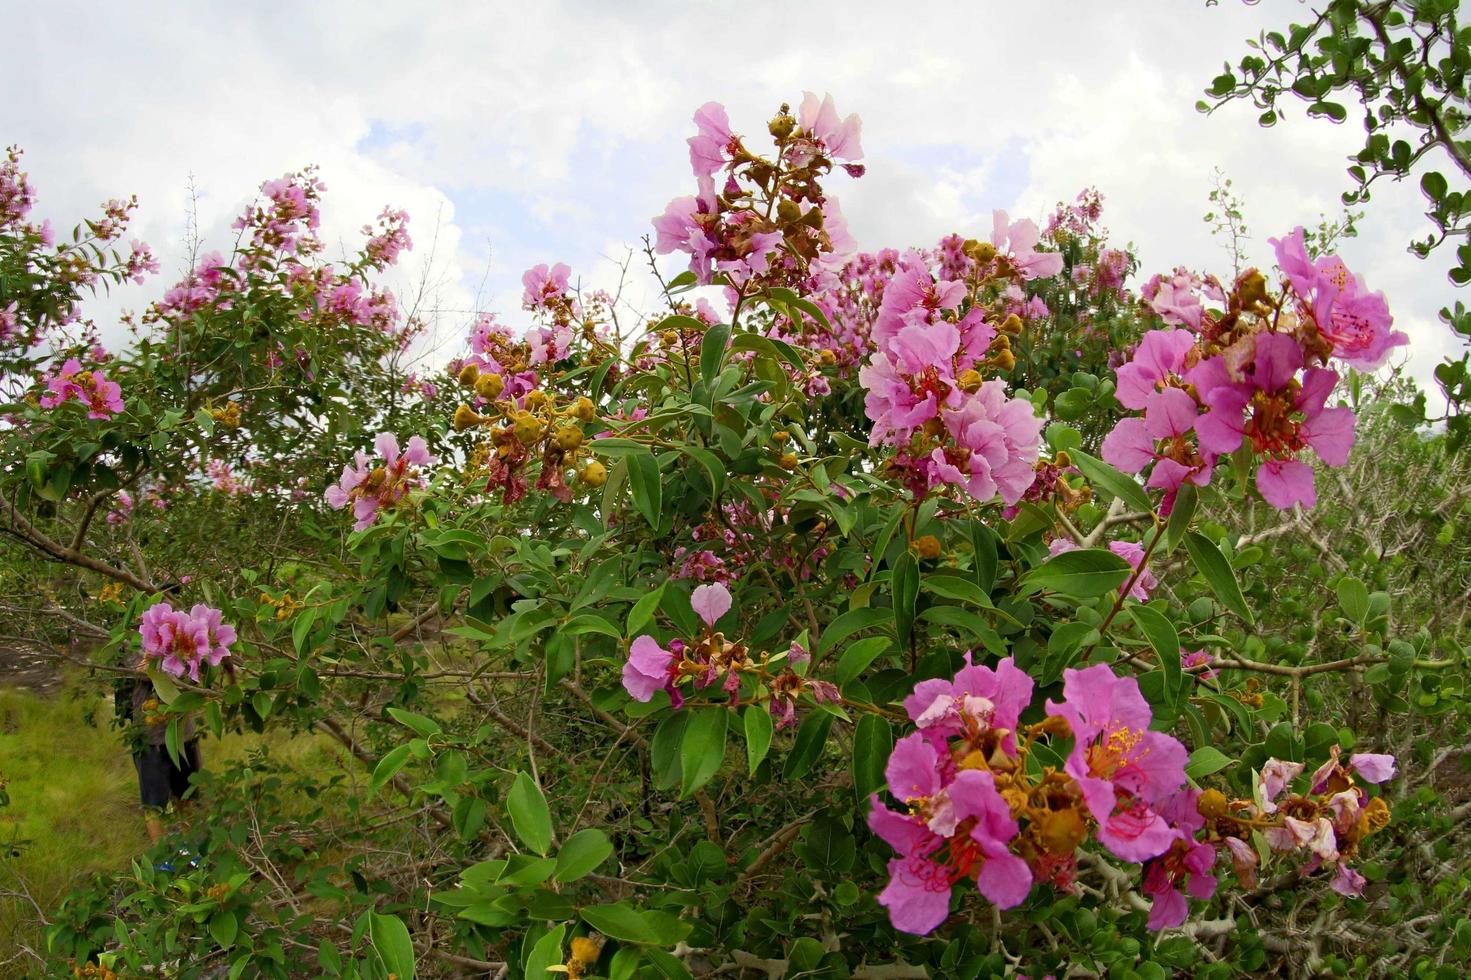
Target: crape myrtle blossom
[
  {"x": 382, "y": 487},
  {"x": 102, "y": 398},
  {"x": 1124, "y": 770},
  {"x": 1151, "y": 382},
  {"x": 180, "y": 642},
  {"x": 1017, "y": 240},
  {"x": 768, "y": 223},
  {"x": 1264, "y": 404},
  {"x": 925, "y": 396},
  {"x": 1184, "y": 867},
  {"x": 1355, "y": 323}
]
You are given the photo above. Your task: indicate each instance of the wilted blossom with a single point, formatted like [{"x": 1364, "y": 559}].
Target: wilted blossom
[
  {"x": 1355, "y": 322},
  {"x": 1184, "y": 867},
  {"x": 382, "y": 487},
  {"x": 1125, "y": 771},
  {"x": 102, "y": 398},
  {"x": 182, "y": 642}
]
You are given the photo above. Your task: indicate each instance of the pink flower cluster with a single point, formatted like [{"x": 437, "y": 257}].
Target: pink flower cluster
[
  {"x": 770, "y": 221},
  {"x": 975, "y": 810},
  {"x": 102, "y": 398},
  {"x": 650, "y": 668},
  {"x": 389, "y": 239},
  {"x": 924, "y": 394},
  {"x": 372, "y": 489},
  {"x": 288, "y": 219},
  {"x": 955, "y": 825},
  {"x": 181, "y": 642}
]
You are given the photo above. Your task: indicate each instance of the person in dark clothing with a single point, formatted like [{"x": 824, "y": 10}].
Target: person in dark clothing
[{"x": 160, "y": 781}]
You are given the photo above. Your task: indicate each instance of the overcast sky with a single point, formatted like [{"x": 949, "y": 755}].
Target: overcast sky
[{"x": 523, "y": 133}]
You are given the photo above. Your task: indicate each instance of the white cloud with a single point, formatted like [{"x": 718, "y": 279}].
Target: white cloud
[{"x": 545, "y": 133}]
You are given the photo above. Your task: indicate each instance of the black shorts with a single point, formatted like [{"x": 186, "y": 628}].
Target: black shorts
[{"x": 159, "y": 779}]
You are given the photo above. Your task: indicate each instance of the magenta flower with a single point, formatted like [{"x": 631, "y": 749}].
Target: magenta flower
[
  {"x": 1277, "y": 414},
  {"x": 181, "y": 642},
  {"x": 957, "y": 827},
  {"x": 710, "y": 602},
  {"x": 1353, "y": 320},
  {"x": 1124, "y": 770},
  {"x": 1160, "y": 355},
  {"x": 102, "y": 398},
  {"x": 649, "y": 669},
  {"x": 383, "y": 487},
  {"x": 1174, "y": 299},
  {"x": 996, "y": 442},
  {"x": 712, "y": 146},
  {"x": 1018, "y": 240},
  {"x": 1186, "y": 864}
]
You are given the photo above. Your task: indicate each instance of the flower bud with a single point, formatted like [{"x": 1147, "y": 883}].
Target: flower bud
[
  {"x": 927, "y": 546},
  {"x": 788, "y": 461},
  {"x": 780, "y": 435},
  {"x": 594, "y": 474},
  {"x": 781, "y": 125},
  {"x": 468, "y": 374},
  {"x": 1212, "y": 804},
  {"x": 669, "y": 338},
  {"x": 826, "y": 357},
  {"x": 535, "y": 398},
  {"x": 584, "y": 409},
  {"x": 490, "y": 386},
  {"x": 787, "y": 211},
  {"x": 969, "y": 381},
  {"x": 1252, "y": 288},
  {"x": 982, "y": 252},
  {"x": 466, "y": 417},
  {"x": 526, "y": 428},
  {"x": 1004, "y": 360},
  {"x": 1012, "y": 324},
  {"x": 1061, "y": 831},
  {"x": 568, "y": 438}
]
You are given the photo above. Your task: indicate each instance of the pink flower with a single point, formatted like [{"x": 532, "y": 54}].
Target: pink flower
[
  {"x": 978, "y": 698},
  {"x": 1159, "y": 355},
  {"x": 1159, "y": 438},
  {"x": 102, "y": 398},
  {"x": 1123, "y": 769},
  {"x": 1174, "y": 299},
  {"x": 838, "y": 136},
  {"x": 181, "y": 642},
  {"x": 543, "y": 285},
  {"x": 648, "y": 670},
  {"x": 1278, "y": 415},
  {"x": 1354, "y": 321},
  {"x": 710, "y": 602},
  {"x": 711, "y": 146},
  {"x": 1019, "y": 241},
  {"x": 1275, "y": 776},
  {"x": 380, "y": 488},
  {"x": 959, "y": 813}
]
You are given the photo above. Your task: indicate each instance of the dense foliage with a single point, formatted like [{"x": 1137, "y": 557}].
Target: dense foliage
[{"x": 950, "y": 612}]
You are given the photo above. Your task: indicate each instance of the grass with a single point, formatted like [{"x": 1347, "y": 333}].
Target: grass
[{"x": 74, "y": 807}]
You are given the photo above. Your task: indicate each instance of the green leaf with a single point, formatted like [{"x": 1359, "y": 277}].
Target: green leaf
[
  {"x": 621, "y": 922},
  {"x": 873, "y": 740},
  {"x": 1353, "y": 598},
  {"x": 643, "y": 610},
  {"x": 713, "y": 467},
  {"x": 590, "y": 623},
  {"x": 1084, "y": 574},
  {"x": 759, "y": 729},
  {"x": 905, "y": 586},
  {"x": 1207, "y": 760},
  {"x": 1217, "y": 573},
  {"x": 583, "y": 852},
  {"x": 983, "y": 543},
  {"x": 712, "y": 353},
  {"x": 1179, "y": 522},
  {"x": 163, "y": 685},
  {"x": 702, "y": 749},
  {"x": 849, "y": 623},
  {"x": 856, "y": 658},
  {"x": 421, "y": 725},
  {"x": 224, "y": 927},
  {"x": 390, "y": 937},
  {"x": 1161, "y": 634},
  {"x": 546, "y": 954},
  {"x": 1434, "y": 185},
  {"x": 529, "y": 814},
  {"x": 387, "y": 768},
  {"x": 645, "y": 482},
  {"x": 1100, "y": 474},
  {"x": 811, "y": 736}
]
